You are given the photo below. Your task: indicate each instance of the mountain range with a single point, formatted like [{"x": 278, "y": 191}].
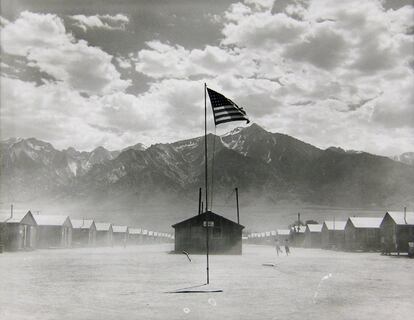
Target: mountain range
[{"x": 269, "y": 169}]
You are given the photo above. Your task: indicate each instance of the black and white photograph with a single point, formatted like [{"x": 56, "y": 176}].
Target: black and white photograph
[{"x": 206, "y": 159}]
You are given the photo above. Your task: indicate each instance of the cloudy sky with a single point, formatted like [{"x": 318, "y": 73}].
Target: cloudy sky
[{"x": 115, "y": 73}]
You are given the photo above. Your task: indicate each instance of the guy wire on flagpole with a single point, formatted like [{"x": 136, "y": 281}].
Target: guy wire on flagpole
[
  {"x": 205, "y": 144},
  {"x": 212, "y": 169}
]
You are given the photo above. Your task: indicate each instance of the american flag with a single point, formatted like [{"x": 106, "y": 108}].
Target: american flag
[{"x": 224, "y": 109}]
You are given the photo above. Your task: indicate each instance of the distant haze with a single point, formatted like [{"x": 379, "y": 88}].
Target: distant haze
[{"x": 277, "y": 176}]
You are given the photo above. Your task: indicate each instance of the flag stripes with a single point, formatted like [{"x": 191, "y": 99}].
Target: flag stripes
[
  {"x": 225, "y": 110},
  {"x": 229, "y": 119}
]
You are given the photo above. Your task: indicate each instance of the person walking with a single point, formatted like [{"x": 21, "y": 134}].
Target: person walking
[
  {"x": 287, "y": 250},
  {"x": 278, "y": 249}
]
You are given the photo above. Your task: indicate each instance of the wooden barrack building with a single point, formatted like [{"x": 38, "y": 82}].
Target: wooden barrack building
[
  {"x": 225, "y": 236},
  {"x": 313, "y": 235},
  {"x": 18, "y": 231},
  {"x": 363, "y": 233},
  {"x": 83, "y": 232},
  {"x": 333, "y": 234},
  {"x": 397, "y": 229},
  {"x": 104, "y": 234},
  {"x": 53, "y": 231}
]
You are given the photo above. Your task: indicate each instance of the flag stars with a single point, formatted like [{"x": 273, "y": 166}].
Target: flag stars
[{"x": 224, "y": 109}]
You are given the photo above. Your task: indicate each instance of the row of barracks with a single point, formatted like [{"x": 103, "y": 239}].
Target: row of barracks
[
  {"x": 25, "y": 231},
  {"x": 391, "y": 233}
]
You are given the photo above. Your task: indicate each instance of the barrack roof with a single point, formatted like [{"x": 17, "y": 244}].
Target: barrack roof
[
  {"x": 17, "y": 217},
  {"x": 315, "y": 227},
  {"x": 135, "y": 231},
  {"x": 120, "y": 229},
  {"x": 102, "y": 226},
  {"x": 21, "y": 217},
  {"x": 81, "y": 223},
  {"x": 283, "y": 232},
  {"x": 398, "y": 217},
  {"x": 335, "y": 225},
  {"x": 366, "y": 222},
  {"x": 211, "y": 215},
  {"x": 51, "y": 220}
]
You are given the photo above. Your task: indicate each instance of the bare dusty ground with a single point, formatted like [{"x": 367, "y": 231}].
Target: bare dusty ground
[{"x": 133, "y": 283}]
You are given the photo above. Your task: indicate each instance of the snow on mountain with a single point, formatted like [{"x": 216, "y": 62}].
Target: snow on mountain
[
  {"x": 233, "y": 132},
  {"x": 270, "y": 165},
  {"x": 138, "y": 147}
]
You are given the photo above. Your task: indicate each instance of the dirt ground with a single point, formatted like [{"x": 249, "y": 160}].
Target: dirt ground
[{"x": 135, "y": 283}]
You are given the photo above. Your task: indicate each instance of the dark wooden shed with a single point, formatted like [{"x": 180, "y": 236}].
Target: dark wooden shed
[
  {"x": 297, "y": 235},
  {"x": 53, "y": 231},
  {"x": 333, "y": 235},
  {"x": 225, "y": 236},
  {"x": 18, "y": 231},
  {"x": 363, "y": 233},
  {"x": 313, "y": 235},
  {"x": 104, "y": 234},
  {"x": 397, "y": 229},
  {"x": 83, "y": 232}
]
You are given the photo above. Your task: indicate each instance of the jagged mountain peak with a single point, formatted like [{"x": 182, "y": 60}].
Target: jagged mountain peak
[
  {"x": 271, "y": 165},
  {"x": 33, "y": 143},
  {"x": 72, "y": 151},
  {"x": 254, "y": 128},
  {"x": 137, "y": 147},
  {"x": 100, "y": 149},
  {"x": 11, "y": 140}
]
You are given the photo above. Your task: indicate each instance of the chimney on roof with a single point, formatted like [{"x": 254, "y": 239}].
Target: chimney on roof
[{"x": 11, "y": 211}]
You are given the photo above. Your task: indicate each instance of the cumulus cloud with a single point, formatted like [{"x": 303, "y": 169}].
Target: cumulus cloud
[
  {"x": 108, "y": 22},
  {"x": 167, "y": 111},
  {"x": 43, "y": 40},
  {"x": 260, "y": 30},
  {"x": 123, "y": 63},
  {"x": 162, "y": 60},
  {"x": 263, "y": 4},
  {"x": 326, "y": 72},
  {"x": 311, "y": 65}
]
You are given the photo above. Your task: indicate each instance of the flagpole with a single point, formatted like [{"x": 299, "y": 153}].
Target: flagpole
[
  {"x": 206, "y": 179},
  {"x": 205, "y": 143}
]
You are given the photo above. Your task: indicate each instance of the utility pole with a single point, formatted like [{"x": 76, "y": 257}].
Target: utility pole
[
  {"x": 237, "y": 203},
  {"x": 199, "y": 201}
]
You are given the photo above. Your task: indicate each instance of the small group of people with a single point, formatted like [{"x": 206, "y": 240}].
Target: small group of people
[{"x": 279, "y": 249}]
